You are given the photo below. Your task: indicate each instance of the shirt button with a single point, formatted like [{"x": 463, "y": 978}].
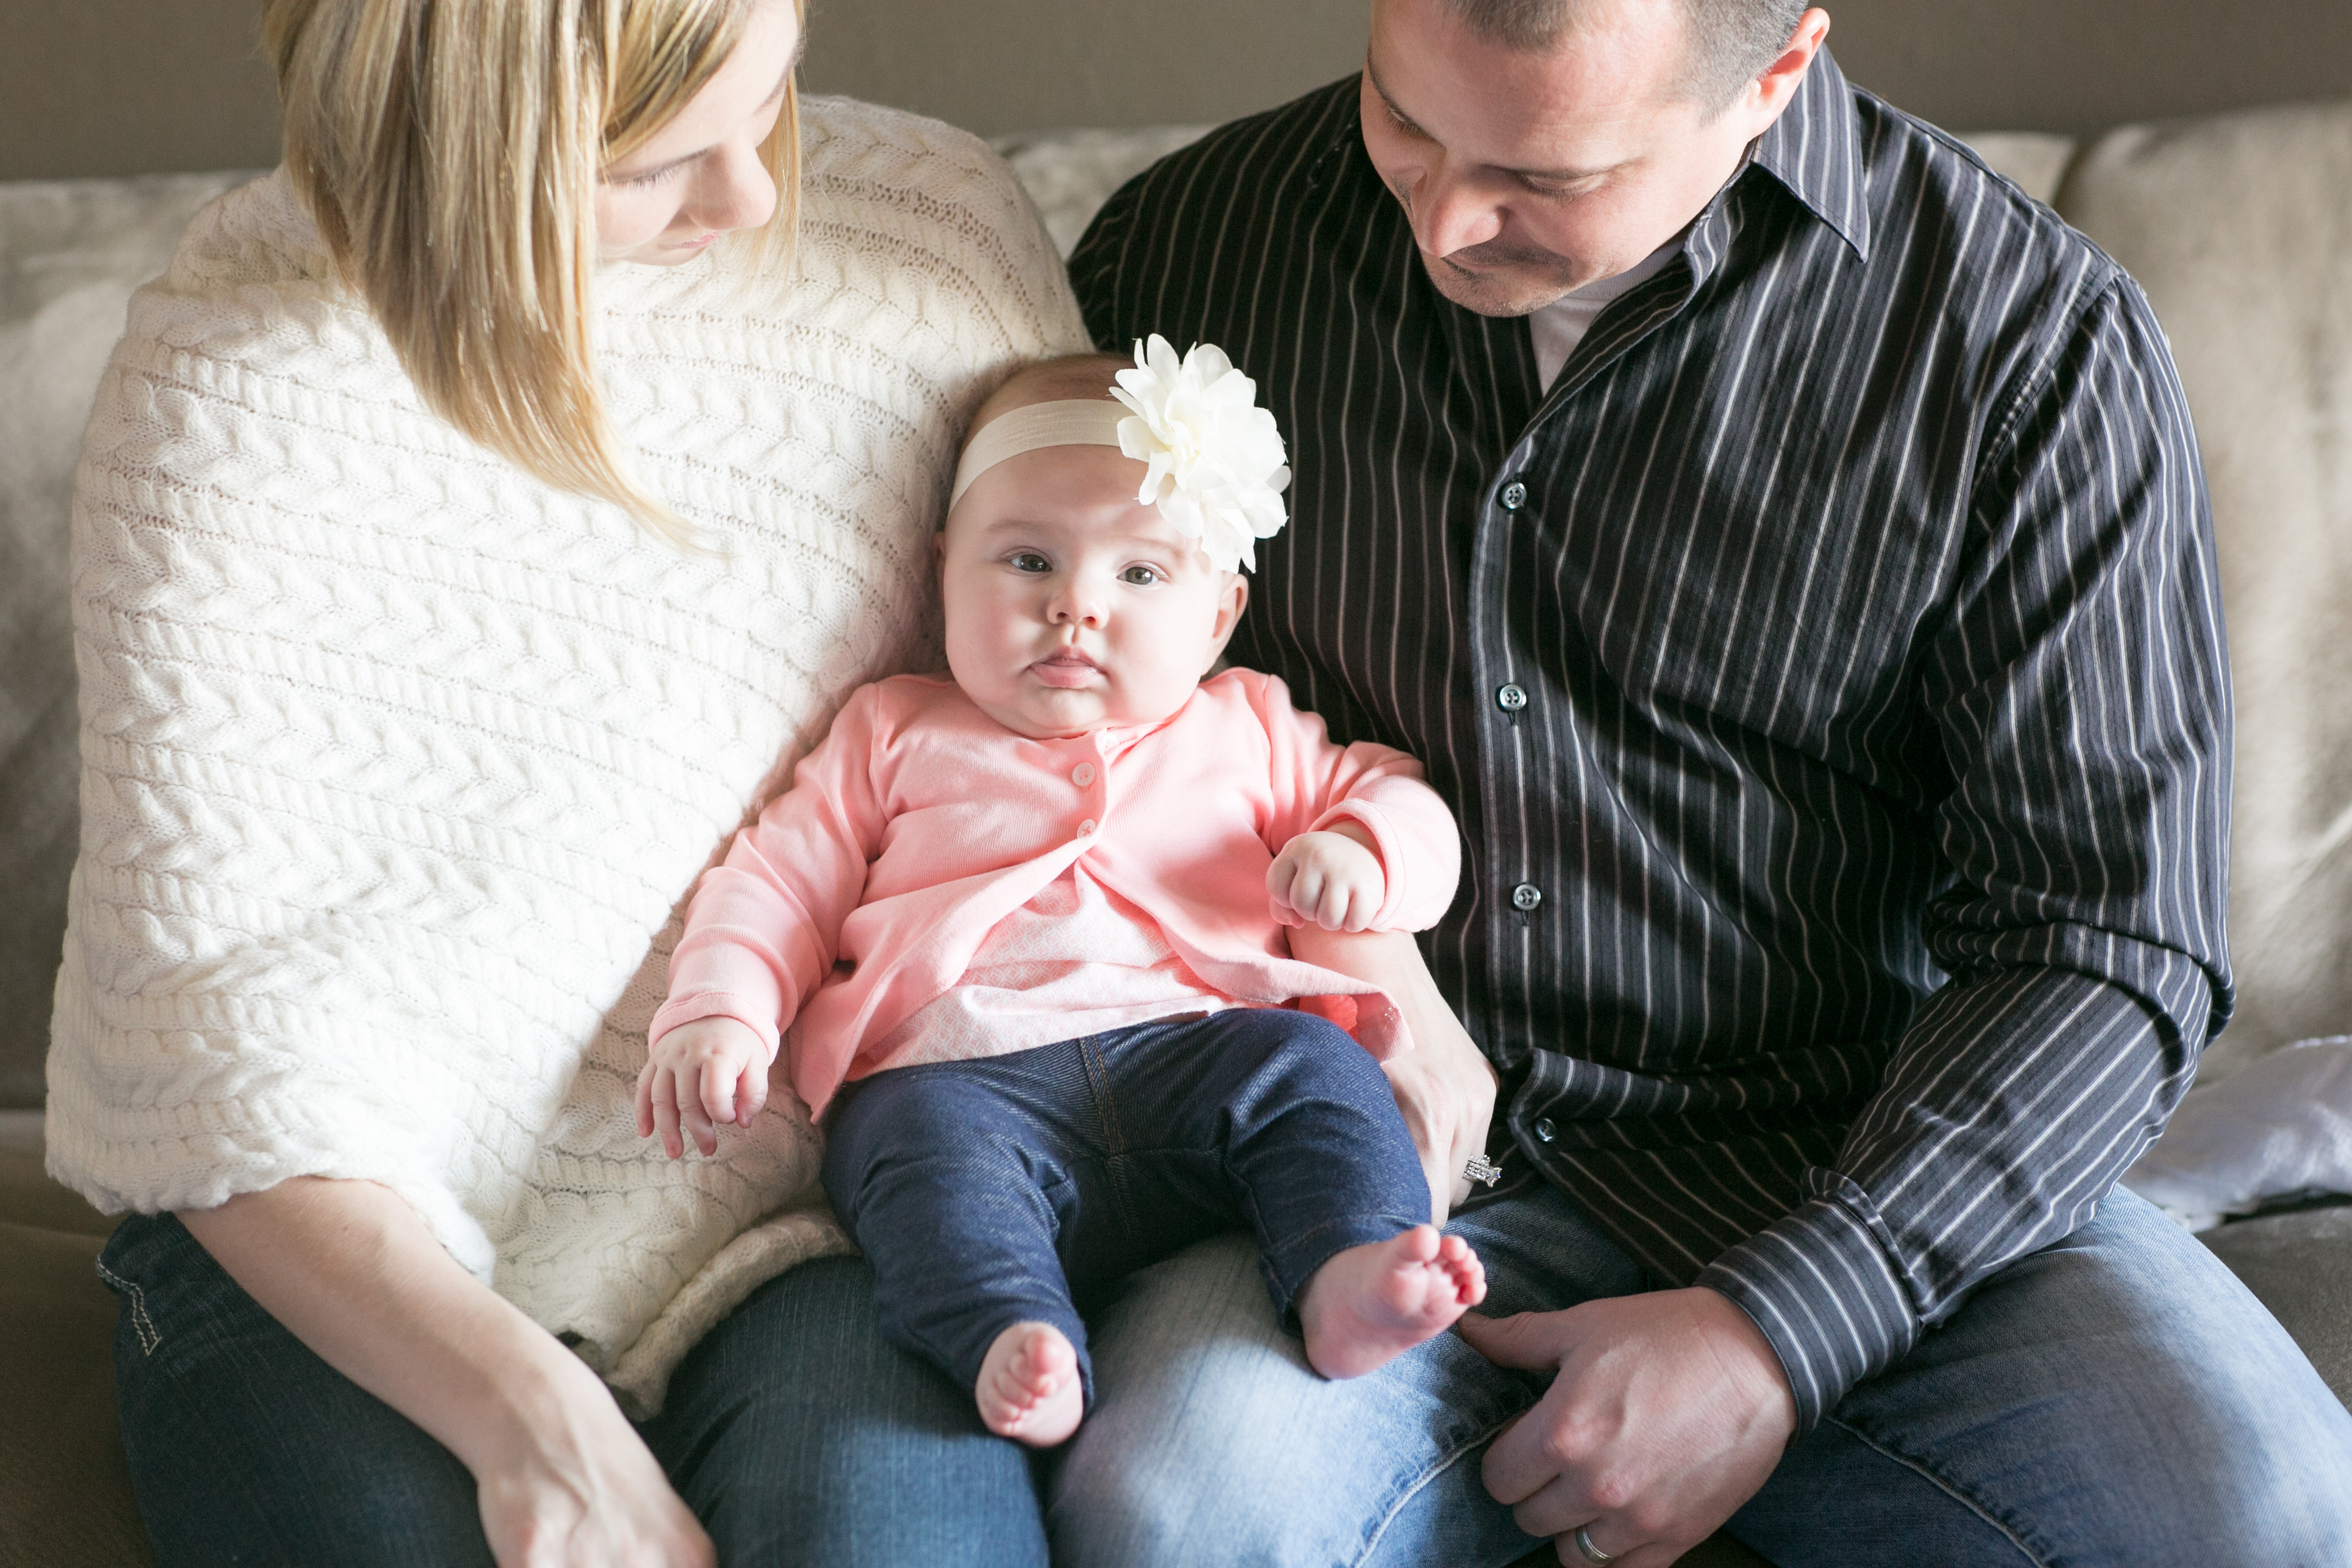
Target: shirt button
[
  {"x": 1515, "y": 496},
  {"x": 1526, "y": 897},
  {"x": 1083, "y": 774},
  {"x": 1545, "y": 1132},
  {"x": 1085, "y": 828},
  {"x": 1512, "y": 697}
]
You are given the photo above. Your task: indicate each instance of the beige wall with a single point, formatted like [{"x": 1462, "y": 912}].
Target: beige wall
[{"x": 107, "y": 87}]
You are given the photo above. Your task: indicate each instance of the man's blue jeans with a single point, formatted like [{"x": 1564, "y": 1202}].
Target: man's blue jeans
[{"x": 2117, "y": 1399}]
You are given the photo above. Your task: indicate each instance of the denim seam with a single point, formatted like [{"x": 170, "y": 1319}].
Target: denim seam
[
  {"x": 1920, "y": 1468},
  {"x": 1115, "y": 1150},
  {"x": 141, "y": 1323},
  {"x": 1444, "y": 1463}
]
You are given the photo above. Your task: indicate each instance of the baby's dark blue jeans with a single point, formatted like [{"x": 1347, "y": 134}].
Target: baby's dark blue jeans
[{"x": 1016, "y": 1188}]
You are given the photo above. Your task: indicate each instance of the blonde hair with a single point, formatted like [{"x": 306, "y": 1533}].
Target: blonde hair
[{"x": 450, "y": 151}]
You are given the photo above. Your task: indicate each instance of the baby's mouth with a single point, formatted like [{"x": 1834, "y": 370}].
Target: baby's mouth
[{"x": 1067, "y": 667}]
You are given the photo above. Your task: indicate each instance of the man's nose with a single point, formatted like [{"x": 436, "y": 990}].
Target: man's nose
[{"x": 1450, "y": 212}]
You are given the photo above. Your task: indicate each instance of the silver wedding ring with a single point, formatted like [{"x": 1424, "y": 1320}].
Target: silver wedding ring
[{"x": 1591, "y": 1553}]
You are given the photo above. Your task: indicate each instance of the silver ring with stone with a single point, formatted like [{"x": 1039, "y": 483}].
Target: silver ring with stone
[
  {"x": 1591, "y": 1553},
  {"x": 1482, "y": 1169}
]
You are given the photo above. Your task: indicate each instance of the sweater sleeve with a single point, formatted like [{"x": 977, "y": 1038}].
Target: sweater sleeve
[
  {"x": 1317, "y": 783},
  {"x": 765, "y": 924}
]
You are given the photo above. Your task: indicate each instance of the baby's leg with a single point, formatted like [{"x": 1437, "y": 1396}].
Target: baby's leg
[
  {"x": 939, "y": 1177},
  {"x": 1307, "y": 1136},
  {"x": 1369, "y": 1304}
]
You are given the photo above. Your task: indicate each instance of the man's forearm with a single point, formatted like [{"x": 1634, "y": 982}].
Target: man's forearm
[
  {"x": 2011, "y": 1106},
  {"x": 1443, "y": 1084}
]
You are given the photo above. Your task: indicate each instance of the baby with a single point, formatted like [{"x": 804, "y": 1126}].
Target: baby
[{"x": 1026, "y": 924}]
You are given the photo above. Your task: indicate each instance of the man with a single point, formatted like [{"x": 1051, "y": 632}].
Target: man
[{"x": 1786, "y": 547}]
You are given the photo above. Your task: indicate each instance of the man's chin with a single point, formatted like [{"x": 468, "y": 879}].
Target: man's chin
[{"x": 1493, "y": 293}]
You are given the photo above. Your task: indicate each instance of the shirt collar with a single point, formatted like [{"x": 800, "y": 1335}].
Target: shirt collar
[{"x": 1814, "y": 151}]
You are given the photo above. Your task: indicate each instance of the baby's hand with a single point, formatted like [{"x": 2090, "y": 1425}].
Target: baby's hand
[
  {"x": 711, "y": 1071},
  {"x": 1331, "y": 878}
]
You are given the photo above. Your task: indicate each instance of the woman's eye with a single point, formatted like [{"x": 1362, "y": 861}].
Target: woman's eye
[
  {"x": 1030, "y": 560},
  {"x": 646, "y": 182},
  {"x": 1141, "y": 576}
]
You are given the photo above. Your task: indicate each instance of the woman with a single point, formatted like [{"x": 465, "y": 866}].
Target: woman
[{"x": 469, "y": 522}]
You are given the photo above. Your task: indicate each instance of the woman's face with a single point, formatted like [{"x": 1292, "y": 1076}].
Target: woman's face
[{"x": 701, "y": 175}]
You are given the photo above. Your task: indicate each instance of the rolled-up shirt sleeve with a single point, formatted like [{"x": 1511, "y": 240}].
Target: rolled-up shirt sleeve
[{"x": 2079, "y": 693}]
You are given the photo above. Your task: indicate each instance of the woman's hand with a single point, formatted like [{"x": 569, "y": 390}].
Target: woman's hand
[
  {"x": 1443, "y": 1082},
  {"x": 595, "y": 1498},
  {"x": 708, "y": 1071},
  {"x": 564, "y": 1480}
]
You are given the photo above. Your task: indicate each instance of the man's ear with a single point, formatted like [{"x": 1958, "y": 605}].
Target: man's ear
[
  {"x": 1232, "y": 600},
  {"x": 1771, "y": 92}
]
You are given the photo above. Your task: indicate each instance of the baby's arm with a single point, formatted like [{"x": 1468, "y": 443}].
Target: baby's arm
[
  {"x": 1329, "y": 877},
  {"x": 1361, "y": 842},
  {"x": 760, "y": 938},
  {"x": 708, "y": 1071}
]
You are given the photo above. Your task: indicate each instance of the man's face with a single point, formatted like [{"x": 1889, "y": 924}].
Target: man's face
[{"x": 1527, "y": 175}]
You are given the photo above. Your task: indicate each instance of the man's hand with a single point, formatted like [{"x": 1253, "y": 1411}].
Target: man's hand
[
  {"x": 1332, "y": 878},
  {"x": 709, "y": 1071},
  {"x": 1443, "y": 1082},
  {"x": 1669, "y": 1412}
]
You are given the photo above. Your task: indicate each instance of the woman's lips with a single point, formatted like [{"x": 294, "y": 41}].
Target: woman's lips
[{"x": 1068, "y": 669}]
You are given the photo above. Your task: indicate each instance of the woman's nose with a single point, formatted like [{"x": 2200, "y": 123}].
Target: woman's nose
[{"x": 736, "y": 191}]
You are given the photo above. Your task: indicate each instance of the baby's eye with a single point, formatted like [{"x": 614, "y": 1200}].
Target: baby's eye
[
  {"x": 1029, "y": 561},
  {"x": 1142, "y": 576}
]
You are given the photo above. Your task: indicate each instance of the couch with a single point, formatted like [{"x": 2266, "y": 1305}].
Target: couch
[{"x": 2239, "y": 226}]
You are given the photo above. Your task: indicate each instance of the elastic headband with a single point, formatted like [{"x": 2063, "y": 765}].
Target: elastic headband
[{"x": 1083, "y": 422}]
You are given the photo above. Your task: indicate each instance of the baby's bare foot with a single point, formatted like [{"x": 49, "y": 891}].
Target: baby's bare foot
[
  {"x": 1370, "y": 1304},
  {"x": 1029, "y": 1387}
]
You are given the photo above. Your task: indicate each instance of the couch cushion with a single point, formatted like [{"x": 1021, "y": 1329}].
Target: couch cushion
[
  {"x": 2300, "y": 1265},
  {"x": 65, "y": 1492},
  {"x": 2240, "y": 227},
  {"x": 70, "y": 254}
]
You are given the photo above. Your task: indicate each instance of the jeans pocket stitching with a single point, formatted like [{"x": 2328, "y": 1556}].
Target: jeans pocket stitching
[
  {"x": 1444, "y": 1463},
  {"x": 141, "y": 1323},
  {"x": 1950, "y": 1488}
]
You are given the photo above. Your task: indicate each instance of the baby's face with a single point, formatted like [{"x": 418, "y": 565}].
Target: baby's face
[{"x": 1070, "y": 608}]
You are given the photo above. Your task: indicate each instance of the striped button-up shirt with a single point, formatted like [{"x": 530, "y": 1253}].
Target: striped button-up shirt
[{"x": 1826, "y": 671}]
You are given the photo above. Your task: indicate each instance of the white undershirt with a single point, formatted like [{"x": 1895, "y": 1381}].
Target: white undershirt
[{"x": 1559, "y": 326}]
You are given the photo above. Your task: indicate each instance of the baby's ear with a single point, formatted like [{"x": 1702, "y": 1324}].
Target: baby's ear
[{"x": 1232, "y": 600}]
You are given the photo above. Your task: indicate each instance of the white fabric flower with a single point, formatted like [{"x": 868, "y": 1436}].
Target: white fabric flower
[{"x": 1216, "y": 467}]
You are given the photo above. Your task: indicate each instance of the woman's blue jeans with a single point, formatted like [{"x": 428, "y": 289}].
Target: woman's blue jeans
[{"x": 2117, "y": 1400}]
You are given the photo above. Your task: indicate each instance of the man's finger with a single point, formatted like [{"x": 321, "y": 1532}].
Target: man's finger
[{"x": 1528, "y": 1341}]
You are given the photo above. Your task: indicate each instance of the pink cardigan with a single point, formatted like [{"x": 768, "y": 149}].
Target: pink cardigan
[{"x": 860, "y": 895}]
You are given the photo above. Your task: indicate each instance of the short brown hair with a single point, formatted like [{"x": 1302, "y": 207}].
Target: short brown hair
[{"x": 1731, "y": 41}]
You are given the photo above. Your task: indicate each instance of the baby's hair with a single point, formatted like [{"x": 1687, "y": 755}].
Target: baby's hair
[{"x": 1073, "y": 377}]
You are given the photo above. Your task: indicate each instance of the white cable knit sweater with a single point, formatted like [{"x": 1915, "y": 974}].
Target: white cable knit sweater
[{"x": 398, "y": 766}]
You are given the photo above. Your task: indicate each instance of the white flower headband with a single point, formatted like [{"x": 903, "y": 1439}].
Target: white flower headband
[{"x": 1214, "y": 460}]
